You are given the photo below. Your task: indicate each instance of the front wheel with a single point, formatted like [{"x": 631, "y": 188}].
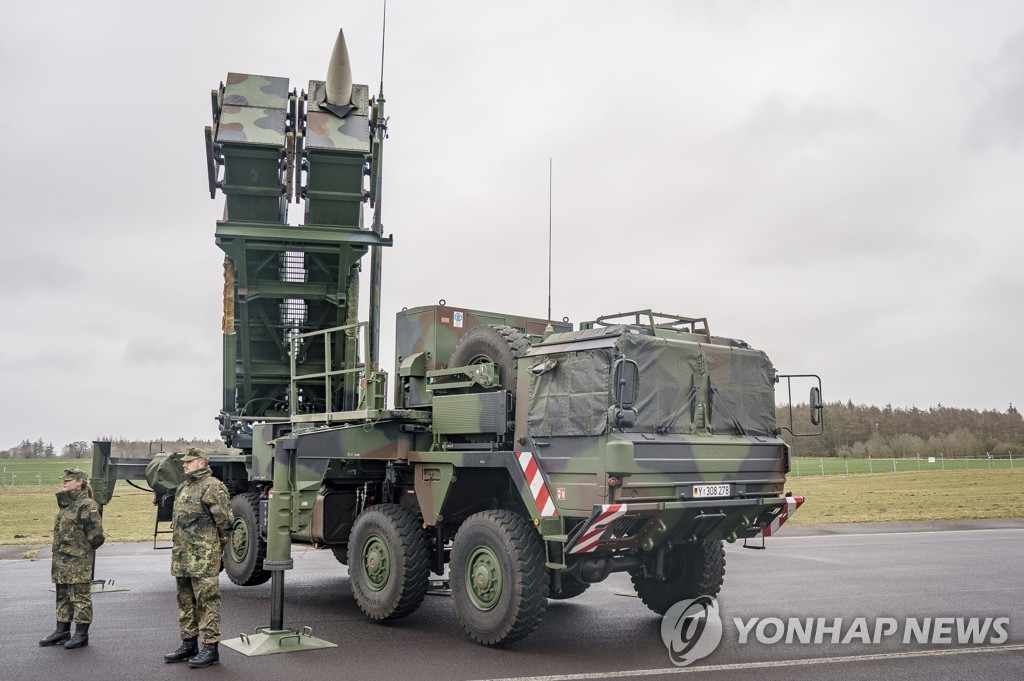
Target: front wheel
[
  {"x": 388, "y": 562},
  {"x": 692, "y": 570},
  {"x": 498, "y": 579},
  {"x": 246, "y": 549}
]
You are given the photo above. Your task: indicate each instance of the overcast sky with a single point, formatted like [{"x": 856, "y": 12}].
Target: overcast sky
[{"x": 837, "y": 183}]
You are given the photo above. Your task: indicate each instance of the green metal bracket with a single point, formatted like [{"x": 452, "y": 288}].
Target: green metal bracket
[
  {"x": 374, "y": 390},
  {"x": 485, "y": 375},
  {"x": 268, "y": 641}
]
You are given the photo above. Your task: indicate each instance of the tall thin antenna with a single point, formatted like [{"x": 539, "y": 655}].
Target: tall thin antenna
[
  {"x": 379, "y": 123},
  {"x": 383, "y": 32},
  {"x": 550, "y": 174}
]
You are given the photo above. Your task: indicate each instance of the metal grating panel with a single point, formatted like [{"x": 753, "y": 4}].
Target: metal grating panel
[{"x": 474, "y": 413}]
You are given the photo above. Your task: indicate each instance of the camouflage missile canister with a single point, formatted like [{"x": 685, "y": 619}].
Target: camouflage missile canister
[{"x": 267, "y": 146}]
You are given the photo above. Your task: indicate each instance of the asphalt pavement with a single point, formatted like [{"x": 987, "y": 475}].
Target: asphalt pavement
[{"x": 922, "y": 571}]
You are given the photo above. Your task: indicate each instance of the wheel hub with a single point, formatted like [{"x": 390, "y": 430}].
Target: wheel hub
[
  {"x": 483, "y": 578},
  {"x": 376, "y": 563},
  {"x": 239, "y": 540}
]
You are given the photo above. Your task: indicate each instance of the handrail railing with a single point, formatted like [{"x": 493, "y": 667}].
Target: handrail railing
[{"x": 327, "y": 374}]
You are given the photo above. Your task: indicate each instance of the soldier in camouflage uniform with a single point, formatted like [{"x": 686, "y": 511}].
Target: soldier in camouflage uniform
[
  {"x": 77, "y": 533},
  {"x": 201, "y": 527}
]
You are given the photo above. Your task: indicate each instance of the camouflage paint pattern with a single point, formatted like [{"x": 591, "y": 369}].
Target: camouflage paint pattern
[
  {"x": 201, "y": 525},
  {"x": 74, "y": 603},
  {"x": 244, "y": 89},
  {"x": 77, "y": 533},
  {"x": 324, "y": 130},
  {"x": 251, "y": 125},
  {"x": 439, "y": 474},
  {"x": 199, "y": 607}
]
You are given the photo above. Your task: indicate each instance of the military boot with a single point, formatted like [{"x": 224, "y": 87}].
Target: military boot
[
  {"x": 60, "y": 634},
  {"x": 81, "y": 637},
  {"x": 207, "y": 656},
  {"x": 187, "y": 649}
]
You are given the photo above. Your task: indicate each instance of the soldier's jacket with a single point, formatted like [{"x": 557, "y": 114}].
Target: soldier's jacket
[
  {"x": 201, "y": 525},
  {"x": 77, "y": 533}
]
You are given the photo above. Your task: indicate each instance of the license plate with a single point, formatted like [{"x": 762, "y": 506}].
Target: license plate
[{"x": 712, "y": 491}]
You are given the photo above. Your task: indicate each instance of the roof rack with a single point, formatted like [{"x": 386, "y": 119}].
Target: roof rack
[{"x": 648, "y": 321}]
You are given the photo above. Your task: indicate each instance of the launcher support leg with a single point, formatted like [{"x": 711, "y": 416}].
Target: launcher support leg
[
  {"x": 275, "y": 638},
  {"x": 277, "y": 600}
]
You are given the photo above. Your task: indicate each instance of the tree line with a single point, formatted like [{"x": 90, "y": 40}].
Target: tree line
[{"x": 861, "y": 431}]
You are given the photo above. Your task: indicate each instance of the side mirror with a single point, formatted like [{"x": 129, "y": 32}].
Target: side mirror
[
  {"x": 627, "y": 383},
  {"x": 816, "y": 406}
]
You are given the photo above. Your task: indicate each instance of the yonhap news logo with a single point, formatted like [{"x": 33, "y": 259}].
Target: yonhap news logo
[
  {"x": 865, "y": 630},
  {"x": 691, "y": 629}
]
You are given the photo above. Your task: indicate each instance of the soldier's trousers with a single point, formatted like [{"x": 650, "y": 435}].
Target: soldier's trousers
[
  {"x": 74, "y": 603},
  {"x": 199, "y": 608}
]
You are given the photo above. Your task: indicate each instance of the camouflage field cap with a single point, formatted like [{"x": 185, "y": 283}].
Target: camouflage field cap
[
  {"x": 74, "y": 474},
  {"x": 193, "y": 453}
]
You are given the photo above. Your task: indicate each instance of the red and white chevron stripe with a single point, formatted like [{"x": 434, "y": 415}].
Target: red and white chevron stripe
[
  {"x": 591, "y": 536},
  {"x": 792, "y": 503},
  {"x": 535, "y": 479}
]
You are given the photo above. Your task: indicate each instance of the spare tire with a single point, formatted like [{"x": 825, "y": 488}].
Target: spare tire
[{"x": 497, "y": 344}]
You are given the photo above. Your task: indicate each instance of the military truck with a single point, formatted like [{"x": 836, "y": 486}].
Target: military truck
[{"x": 524, "y": 458}]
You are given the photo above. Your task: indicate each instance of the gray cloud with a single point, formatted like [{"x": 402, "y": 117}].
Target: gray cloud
[
  {"x": 997, "y": 88},
  {"x": 799, "y": 126},
  {"x": 164, "y": 352}
]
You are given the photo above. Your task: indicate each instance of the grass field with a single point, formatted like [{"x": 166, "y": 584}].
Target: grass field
[
  {"x": 949, "y": 495},
  {"x": 27, "y": 508},
  {"x": 26, "y": 515}
]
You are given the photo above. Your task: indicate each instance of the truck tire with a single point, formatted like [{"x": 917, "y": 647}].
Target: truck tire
[
  {"x": 500, "y": 344},
  {"x": 498, "y": 579},
  {"x": 340, "y": 553},
  {"x": 388, "y": 562},
  {"x": 691, "y": 570},
  {"x": 246, "y": 549},
  {"x": 571, "y": 588}
]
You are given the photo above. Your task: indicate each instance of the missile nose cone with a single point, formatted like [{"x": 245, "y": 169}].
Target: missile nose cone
[{"x": 339, "y": 73}]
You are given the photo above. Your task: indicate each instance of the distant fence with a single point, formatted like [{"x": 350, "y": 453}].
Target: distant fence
[
  {"x": 802, "y": 467},
  {"x": 23, "y": 479},
  {"x": 37, "y": 473}
]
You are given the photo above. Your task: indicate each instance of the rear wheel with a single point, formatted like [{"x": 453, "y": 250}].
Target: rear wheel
[
  {"x": 388, "y": 562},
  {"x": 246, "y": 549},
  {"x": 498, "y": 579},
  {"x": 691, "y": 570}
]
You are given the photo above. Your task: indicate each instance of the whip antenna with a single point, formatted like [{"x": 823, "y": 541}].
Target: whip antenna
[
  {"x": 383, "y": 33},
  {"x": 550, "y": 173},
  {"x": 379, "y": 128}
]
